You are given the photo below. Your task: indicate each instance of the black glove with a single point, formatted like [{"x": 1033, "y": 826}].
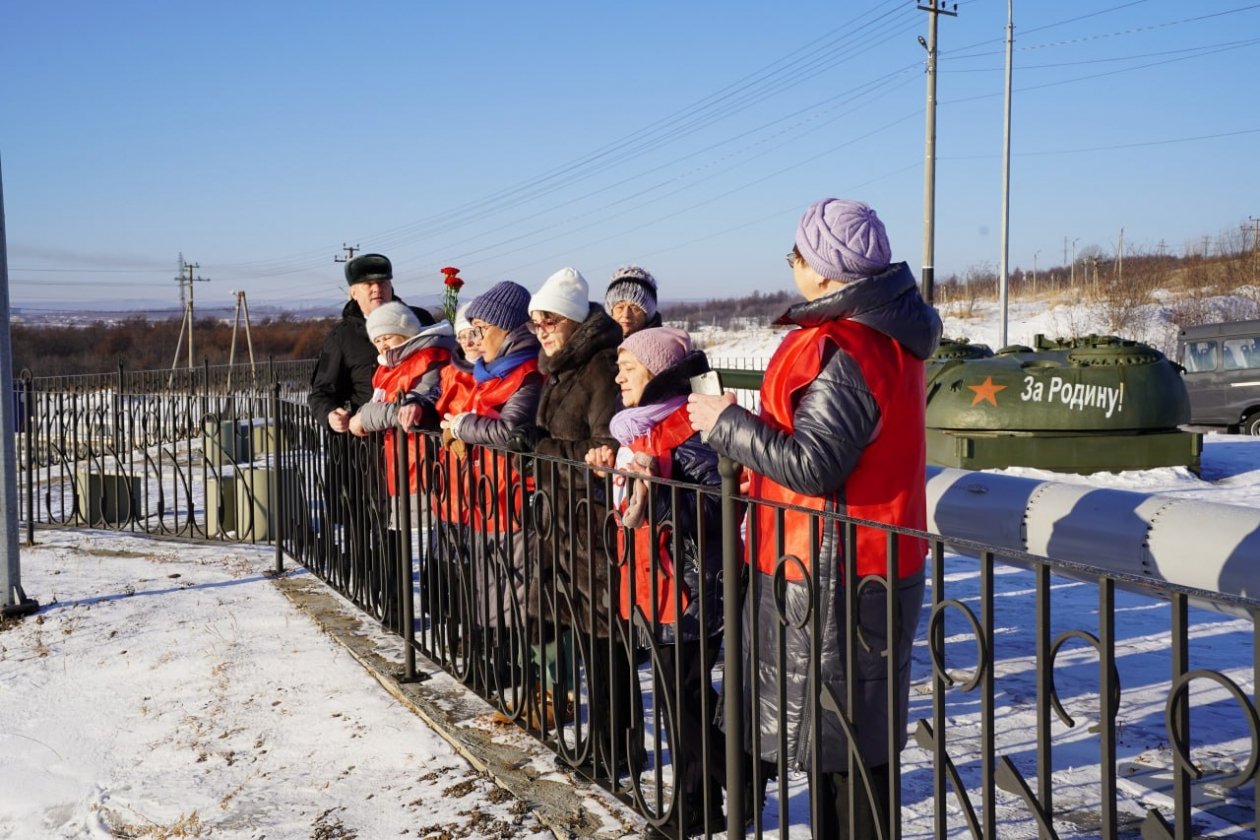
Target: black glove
[{"x": 525, "y": 438}]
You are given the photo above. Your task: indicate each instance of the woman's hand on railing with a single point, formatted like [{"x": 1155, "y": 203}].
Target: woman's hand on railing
[
  {"x": 355, "y": 426},
  {"x": 637, "y": 507},
  {"x": 599, "y": 459},
  {"x": 409, "y": 415},
  {"x": 451, "y": 423}
]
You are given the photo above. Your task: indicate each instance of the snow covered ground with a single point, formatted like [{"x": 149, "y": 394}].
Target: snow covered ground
[
  {"x": 168, "y": 687},
  {"x": 168, "y": 690}
]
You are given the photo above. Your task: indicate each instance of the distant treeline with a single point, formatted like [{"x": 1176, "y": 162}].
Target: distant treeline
[
  {"x": 757, "y": 309},
  {"x": 140, "y": 344},
  {"x": 1193, "y": 286}
]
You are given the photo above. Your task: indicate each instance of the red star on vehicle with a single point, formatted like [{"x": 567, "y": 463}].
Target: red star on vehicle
[{"x": 986, "y": 390}]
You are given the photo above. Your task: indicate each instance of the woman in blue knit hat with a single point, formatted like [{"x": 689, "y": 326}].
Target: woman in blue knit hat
[
  {"x": 504, "y": 395},
  {"x": 841, "y": 431}
]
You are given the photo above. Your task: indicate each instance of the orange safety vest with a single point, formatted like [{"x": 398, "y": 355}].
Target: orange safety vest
[
  {"x": 390, "y": 381},
  {"x": 887, "y": 484},
  {"x": 456, "y": 387},
  {"x": 484, "y": 399},
  {"x": 652, "y": 567}
]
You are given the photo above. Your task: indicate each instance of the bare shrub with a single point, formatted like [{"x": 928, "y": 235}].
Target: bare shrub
[
  {"x": 958, "y": 297},
  {"x": 1128, "y": 297}
]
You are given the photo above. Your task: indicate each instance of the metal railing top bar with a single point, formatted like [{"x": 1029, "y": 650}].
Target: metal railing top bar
[{"x": 207, "y": 377}]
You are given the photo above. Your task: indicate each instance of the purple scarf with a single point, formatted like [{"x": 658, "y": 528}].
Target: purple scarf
[{"x": 631, "y": 423}]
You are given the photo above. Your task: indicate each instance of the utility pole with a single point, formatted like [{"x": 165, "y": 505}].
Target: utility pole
[
  {"x": 1120, "y": 259},
  {"x": 1034, "y": 283},
  {"x": 187, "y": 269},
  {"x": 13, "y": 600},
  {"x": 1255, "y": 247},
  {"x": 349, "y": 249},
  {"x": 933, "y": 8},
  {"x": 1006, "y": 177},
  {"x": 1073, "y": 281},
  {"x": 241, "y": 307}
]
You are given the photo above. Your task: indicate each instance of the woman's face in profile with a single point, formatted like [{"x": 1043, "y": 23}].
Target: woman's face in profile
[
  {"x": 632, "y": 377},
  {"x": 553, "y": 330}
]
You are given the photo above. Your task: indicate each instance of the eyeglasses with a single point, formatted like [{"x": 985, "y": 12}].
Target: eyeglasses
[
  {"x": 471, "y": 334},
  {"x": 544, "y": 327}
]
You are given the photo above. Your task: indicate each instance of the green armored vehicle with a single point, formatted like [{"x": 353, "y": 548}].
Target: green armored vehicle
[{"x": 1077, "y": 405}]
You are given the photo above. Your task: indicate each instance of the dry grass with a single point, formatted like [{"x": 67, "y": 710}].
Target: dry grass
[{"x": 184, "y": 826}]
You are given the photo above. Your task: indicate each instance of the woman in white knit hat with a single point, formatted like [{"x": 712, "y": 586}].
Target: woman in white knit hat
[{"x": 579, "y": 397}]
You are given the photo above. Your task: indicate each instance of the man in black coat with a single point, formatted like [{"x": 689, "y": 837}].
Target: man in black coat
[
  {"x": 342, "y": 381},
  {"x": 354, "y": 482}
]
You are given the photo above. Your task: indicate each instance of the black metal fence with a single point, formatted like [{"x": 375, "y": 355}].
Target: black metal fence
[{"x": 711, "y": 693}]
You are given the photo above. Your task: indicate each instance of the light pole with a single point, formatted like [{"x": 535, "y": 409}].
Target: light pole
[
  {"x": 1034, "y": 280},
  {"x": 1006, "y": 178}
]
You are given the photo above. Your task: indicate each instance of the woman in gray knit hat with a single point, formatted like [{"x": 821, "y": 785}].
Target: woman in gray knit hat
[{"x": 631, "y": 299}]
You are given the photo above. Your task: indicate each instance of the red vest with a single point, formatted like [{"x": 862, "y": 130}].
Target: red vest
[
  {"x": 484, "y": 399},
  {"x": 457, "y": 385},
  {"x": 886, "y": 485},
  {"x": 654, "y": 562},
  {"x": 400, "y": 378}
]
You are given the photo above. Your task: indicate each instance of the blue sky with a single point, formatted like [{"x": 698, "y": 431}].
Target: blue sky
[{"x": 511, "y": 138}]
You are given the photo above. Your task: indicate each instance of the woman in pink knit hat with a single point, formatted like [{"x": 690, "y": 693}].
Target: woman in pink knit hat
[{"x": 664, "y": 577}]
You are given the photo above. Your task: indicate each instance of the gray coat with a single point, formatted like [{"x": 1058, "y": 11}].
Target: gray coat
[
  {"x": 379, "y": 416},
  {"x": 834, "y": 419}
]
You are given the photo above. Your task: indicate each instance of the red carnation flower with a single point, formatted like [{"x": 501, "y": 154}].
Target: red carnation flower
[{"x": 450, "y": 298}]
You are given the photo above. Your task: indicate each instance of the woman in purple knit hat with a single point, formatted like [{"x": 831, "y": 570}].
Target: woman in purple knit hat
[{"x": 841, "y": 431}]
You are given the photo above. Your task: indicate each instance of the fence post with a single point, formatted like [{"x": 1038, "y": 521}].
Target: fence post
[
  {"x": 118, "y": 412},
  {"x": 733, "y": 663},
  {"x": 28, "y": 434},
  {"x": 205, "y": 385},
  {"x": 277, "y": 448},
  {"x": 406, "y": 606}
]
